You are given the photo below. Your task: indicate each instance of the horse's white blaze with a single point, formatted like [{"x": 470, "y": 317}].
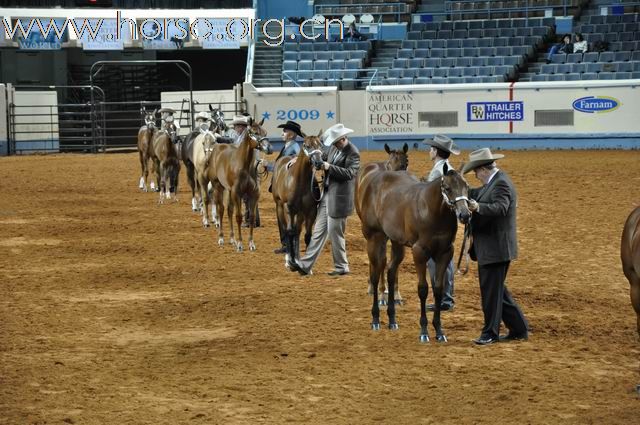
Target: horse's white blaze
[{"x": 141, "y": 185}]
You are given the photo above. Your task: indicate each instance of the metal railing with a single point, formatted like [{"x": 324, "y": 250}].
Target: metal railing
[
  {"x": 459, "y": 8},
  {"x": 335, "y": 9},
  {"x": 337, "y": 77}
]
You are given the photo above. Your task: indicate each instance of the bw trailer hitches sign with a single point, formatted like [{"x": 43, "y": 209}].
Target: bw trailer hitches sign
[{"x": 495, "y": 111}]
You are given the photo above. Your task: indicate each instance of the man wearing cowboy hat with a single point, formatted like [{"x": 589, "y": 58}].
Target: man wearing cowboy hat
[
  {"x": 441, "y": 148},
  {"x": 341, "y": 165},
  {"x": 493, "y": 227},
  {"x": 166, "y": 114},
  {"x": 290, "y": 130}
]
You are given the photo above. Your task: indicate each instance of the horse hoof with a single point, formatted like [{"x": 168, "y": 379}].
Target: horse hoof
[
  {"x": 239, "y": 247},
  {"x": 221, "y": 242},
  {"x": 441, "y": 338},
  {"x": 393, "y": 326},
  {"x": 205, "y": 225},
  {"x": 382, "y": 302},
  {"x": 424, "y": 338},
  {"x": 375, "y": 326},
  {"x": 252, "y": 246}
]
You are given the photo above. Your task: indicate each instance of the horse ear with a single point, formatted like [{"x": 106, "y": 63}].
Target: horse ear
[
  {"x": 445, "y": 169},
  {"x": 210, "y": 108},
  {"x": 405, "y": 148},
  {"x": 386, "y": 148},
  {"x": 261, "y": 122},
  {"x": 142, "y": 110},
  {"x": 320, "y": 133}
]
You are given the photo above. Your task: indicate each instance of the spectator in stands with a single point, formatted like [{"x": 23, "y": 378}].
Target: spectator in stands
[
  {"x": 353, "y": 34},
  {"x": 580, "y": 46},
  {"x": 563, "y": 47}
]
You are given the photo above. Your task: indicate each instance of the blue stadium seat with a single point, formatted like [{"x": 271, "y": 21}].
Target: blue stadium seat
[
  {"x": 305, "y": 47},
  {"x": 479, "y": 61},
  {"x": 625, "y": 45},
  {"x": 559, "y": 58},
  {"x": 555, "y": 77},
  {"x": 405, "y": 53},
  {"x": 504, "y": 51},
  {"x": 321, "y": 65},
  {"x": 518, "y": 23},
  {"x": 563, "y": 68},
  {"x": 572, "y": 77},
  {"x": 409, "y": 44},
  {"x": 405, "y": 81},
  {"x": 418, "y": 26},
  {"x": 590, "y": 57},
  {"x": 475, "y": 33},
  {"x": 470, "y": 71},
  {"x": 500, "y": 41},
  {"x": 607, "y": 76},
  {"x": 485, "y": 51},
  {"x": 323, "y": 55},
  {"x": 574, "y": 58},
  {"x": 606, "y": 57},
  {"x": 456, "y": 72},
  {"x": 341, "y": 55},
  {"x": 290, "y": 47},
  {"x": 621, "y": 56},
  {"x": 430, "y": 35},
  {"x": 635, "y": 74},
  {"x": 438, "y": 44},
  {"x": 611, "y": 37},
  {"x": 623, "y": 75},
  {"x": 495, "y": 61},
  {"x": 623, "y": 66},
  {"x": 596, "y": 36},
  {"x": 453, "y": 53},
  {"x": 578, "y": 68},
  {"x": 437, "y": 53},
  {"x": 390, "y": 81},
  {"x": 333, "y": 46},
  {"x": 460, "y": 34},
  {"x": 453, "y": 43},
  {"x": 539, "y": 77},
  {"x": 460, "y": 25},
  {"x": 470, "y": 42},
  {"x": 422, "y": 80},
  {"x": 446, "y": 25},
  {"x": 445, "y": 34},
  {"x": 425, "y": 72},
  {"x": 512, "y": 60},
  {"x": 492, "y": 33},
  {"x": 505, "y": 23},
  {"x": 470, "y": 52},
  {"x": 421, "y": 53},
  {"x": 394, "y": 73},
  {"x": 485, "y": 71},
  {"x": 415, "y": 63},
  {"x": 594, "y": 67},
  {"x": 358, "y": 54},
  {"x": 510, "y": 32},
  {"x": 489, "y": 23},
  {"x": 548, "y": 69},
  {"x": 290, "y": 56},
  {"x": 477, "y": 24},
  {"x": 415, "y": 35},
  {"x": 588, "y": 28},
  {"x": 617, "y": 27},
  {"x": 448, "y": 62},
  {"x": 289, "y": 65},
  {"x": 336, "y": 64},
  {"x": 630, "y": 17},
  {"x": 631, "y": 27},
  {"x": 611, "y": 19},
  {"x": 635, "y": 56},
  {"x": 431, "y": 26},
  {"x": 440, "y": 72},
  {"x": 463, "y": 62},
  {"x": 432, "y": 62},
  {"x": 305, "y": 65},
  {"x": 596, "y": 19},
  {"x": 455, "y": 80},
  {"x": 424, "y": 44},
  {"x": 485, "y": 42},
  {"x": 409, "y": 72}
]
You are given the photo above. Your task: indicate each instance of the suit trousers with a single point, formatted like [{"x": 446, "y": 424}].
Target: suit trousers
[
  {"x": 447, "y": 295},
  {"x": 333, "y": 229},
  {"x": 497, "y": 303}
]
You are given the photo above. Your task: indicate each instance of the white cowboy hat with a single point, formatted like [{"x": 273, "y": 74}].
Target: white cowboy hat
[
  {"x": 335, "y": 133},
  {"x": 203, "y": 116},
  {"x": 478, "y": 158},
  {"x": 444, "y": 143},
  {"x": 240, "y": 119},
  {"x": 169, "y": 111}
]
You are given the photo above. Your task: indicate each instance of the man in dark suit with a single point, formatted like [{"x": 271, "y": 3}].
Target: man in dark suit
[
  {"x": 342, "y": 162},
  {"x": 493, "y": 227}
]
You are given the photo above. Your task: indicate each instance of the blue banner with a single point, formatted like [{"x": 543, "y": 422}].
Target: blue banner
[
  {"x": 495, "y": 111},
  {"x": 105, "y": 38},
  {"x": 221, "y": 33},
  {"x": 43, "y": 35},
  {"x": 154, "y": 37}
]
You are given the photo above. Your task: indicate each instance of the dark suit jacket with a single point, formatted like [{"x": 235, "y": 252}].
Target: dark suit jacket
[
  {"x": 494, "y": 226},
  {"x": 340, "y": 179}
]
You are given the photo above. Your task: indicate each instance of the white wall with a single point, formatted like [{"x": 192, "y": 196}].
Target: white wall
[
  {"x": 4, "y": 131},
  {"x": 45, "y": 136}
]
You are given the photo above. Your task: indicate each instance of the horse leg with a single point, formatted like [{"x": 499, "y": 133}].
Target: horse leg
[
  {"x": 282, "y": 228},
  {"x": 144, "y": 172},
  {"x": 204, "y": 197},
  {"x": 442, "y": 262},
  {"x": 375, "y": 251},
  {"x": 310, "y": 219},
  {"x": 218, "y": 198},
  {"x": 230, "y": 212},
  {"x": 252, "y": 205},
  {"x": 155, "y": 170},
  {"x": 420, "y": 258},
  {"x": 634, "y": 281},
  {"x": 161, "y": 183},
  {"x": 397, "y": 255},
  {"x": 297, "y": 229},
  {"x": 192, "y": 183},
  {"x": 238, "y": 208}
]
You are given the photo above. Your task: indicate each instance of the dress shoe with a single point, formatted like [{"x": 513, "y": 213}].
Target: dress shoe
[
  {"x": 281, "y": 250},
  {"x": 338, "y": 272},
  {"x": 485, "y": 340},
  {"x": 514, "y": 337}
]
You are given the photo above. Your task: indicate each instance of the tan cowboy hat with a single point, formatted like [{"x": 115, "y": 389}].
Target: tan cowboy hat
[
  {"x": 335, "y": 133},
  {"x": 240, "y": 120},
  {"x": 169, "y": 111},
  {"x": 478, "y": 158},
  {"x": 444, "y": 143},
  {"x": 205, "y": 116}
]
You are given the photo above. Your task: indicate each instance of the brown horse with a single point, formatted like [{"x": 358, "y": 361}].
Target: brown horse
[
  {"x": 233, "y": 169},
  {"x": 145, "y": 136},
  {"x": 630, "y": 254},
  {"x": 166, "y": 164},
  {"x": 398, "y": 207},
  {"x": 296, "y": 192},
  {"x": 398, "y": 161}
]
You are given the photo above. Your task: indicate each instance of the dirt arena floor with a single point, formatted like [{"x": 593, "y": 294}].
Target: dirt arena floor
[{"x": 117, "y": 311}]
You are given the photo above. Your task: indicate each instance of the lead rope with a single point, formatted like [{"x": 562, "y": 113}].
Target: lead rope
[{"x": 464, "y": 251}]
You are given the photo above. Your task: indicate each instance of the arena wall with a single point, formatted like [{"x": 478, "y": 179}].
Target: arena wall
[
  {"x": 36, "y": 121},
  {"x": 5, "y": 90},
  {"x": 556, "y": 115}
]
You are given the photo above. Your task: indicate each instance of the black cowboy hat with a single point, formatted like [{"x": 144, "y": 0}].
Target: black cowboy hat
[{"x": 293, "y": 126}]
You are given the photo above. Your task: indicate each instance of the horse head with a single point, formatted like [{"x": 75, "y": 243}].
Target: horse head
[
  {"x": 398, "y": 159},
  {"x": 259, "y": 141},
  {"x": 257, "y": 128},
  {"x": 149, "y": 118},
  {"x": 208, "y": 144},
  {"x": 217, "y": 117},
  {"x": 312, "y": 147},
  {"x": 455, "y": 192}
]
